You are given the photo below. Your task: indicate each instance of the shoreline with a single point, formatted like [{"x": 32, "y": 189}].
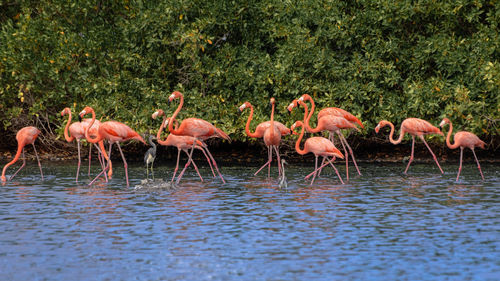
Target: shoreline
[{"x": 240, "y": 153}]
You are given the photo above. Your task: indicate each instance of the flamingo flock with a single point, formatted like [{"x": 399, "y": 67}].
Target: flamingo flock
[{"x": 191, "y": 133}]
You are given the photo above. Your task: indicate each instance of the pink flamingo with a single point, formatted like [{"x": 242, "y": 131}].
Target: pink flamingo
[
  {"x": 319, "y": 146},
  {"x": 414, "y": 127},
  {"x": 77, "y": 131},
  {"x": 272, "y": 139},
  {"x": 463, "y": 139},
  {"x": 262, "y": 127},
  {"x": 26, "y": 135},
  {"x": 195, "y": 127},
  {"x": 181, "y": 142},
  {"x": 339, "y": 124},
  {"x": 333, "y": 124},
  {"x": 114, "y": 132}
]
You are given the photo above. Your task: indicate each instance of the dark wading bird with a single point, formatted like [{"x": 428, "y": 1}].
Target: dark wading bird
[
  {"x": 149, "y": 157},
  {"x": 283, "y": 180}
]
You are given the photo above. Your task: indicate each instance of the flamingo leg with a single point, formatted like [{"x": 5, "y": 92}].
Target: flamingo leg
[
  {"x": 90, "y": 155},
  {"x": 105, "y": 168},
  {"x": 411, "y": 156},
  {"x": 102, "y": 160},
  {"x": 215, "y": 164},
  {"x": 38, "y": 160},
  {"x": 337, "y": 172},
  {"x": 478, "y": 166},
  {"x": 176, "y": 165},
  {"x": 352, "y": 154},
  {"x": 433, "y": 156},
  {"x": 323, "y": 164},
  {"x": 276, "y": 149},
  {"x": 342, "y": 140},
  {"x": 460, "y": 166},
  {"x": 22, "y": 166},
  {"x": 194, "y": 165},
  {"x": 187, "y": 163},
  {"x": 208, "y": 160},
  {"x": 270, "y": 157},
  {"x": 79, "y": 160},
  {"x": 315, "y": 168},
  {"x": 268, "y": 161},
  {"x": 124, "y": 162}
]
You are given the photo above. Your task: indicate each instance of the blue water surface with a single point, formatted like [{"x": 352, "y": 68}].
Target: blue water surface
[{"x": 382, "y": 225}]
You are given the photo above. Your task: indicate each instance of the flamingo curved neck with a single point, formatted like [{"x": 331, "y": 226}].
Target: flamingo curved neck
[
  {"x": 391, "y": 135},
  {"x": 297, "y": 144},
  {"x": 158, "y": 135},
  {"x": 271, "y": 133},
  {"x": 448, "y": 136},
  {"x": 20, "y": 146},
  {"x": 313, "y": 106},
  {"x": 172, "y": 119},
  {"x": 247, "y": 126},
  {"x": 87, "y": 136},
  {"x": 66, "y": 129},
  {"x": 306, "y": 121}
]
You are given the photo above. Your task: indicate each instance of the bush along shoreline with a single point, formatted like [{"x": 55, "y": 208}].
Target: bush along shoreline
[{"x": 375, "y": 59}]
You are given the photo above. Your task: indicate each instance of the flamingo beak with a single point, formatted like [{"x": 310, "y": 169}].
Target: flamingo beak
[
  {"x": 442, "y": 123},
  {"x": 81, "y": 114},
  {"x": 377, "y": 129},
  {"x": 154, "y": 115}
]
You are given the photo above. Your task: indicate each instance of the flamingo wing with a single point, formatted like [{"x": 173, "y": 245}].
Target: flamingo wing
[{"x": 416, "y": 126}]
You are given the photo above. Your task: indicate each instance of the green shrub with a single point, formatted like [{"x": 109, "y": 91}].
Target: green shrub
[{"x": 376, "y": 59}]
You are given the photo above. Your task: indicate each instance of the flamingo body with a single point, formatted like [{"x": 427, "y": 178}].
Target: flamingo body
[
  {"x": 195, "y": 127},
  {"x": 24, "y": 136},
  {"x": 415, "y": 127},
  {"x": 335, "y": 111},
  {"x": 118, "y": 132},
  {"x": 271, "y": 132},
  {"x": 182, "y": 143},
  {"x": 463, "y": 139},
  {"x": 262, "y": 127},
  {"x": 319, "y": 146},
  {"x": 76, "y": 130},
  {"x": 333, "y": 122},
  {"x": 114, "y": 132}
]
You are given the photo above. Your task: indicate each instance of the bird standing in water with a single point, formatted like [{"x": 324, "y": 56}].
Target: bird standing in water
[
  {"x": 149, "y": 157},
  {"x": 283, "y": 180},
  {"x": 463, "y": 139},
  {"x": 26, "y": 135},
  {"x": 114, "y": 132}
]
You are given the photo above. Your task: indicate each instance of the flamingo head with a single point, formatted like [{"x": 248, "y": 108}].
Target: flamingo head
[
  {"x": 380, "y": 125},
  {"x": 174, "y": 95},
  {"x": 445, "y": 121},
  {"x": 243, "y": 106},
  {"x": 157, "y": 113},
  {"x": 305, "y": 97},
  {"x": 65, "y": 111},
  {"x": 84, "y": 112},
  {"x": 272, "y": 101},
  {"x": 337, "y": 153},
  {"x": 295, "y": 125},
  {"x": 292, "y": 105},
  {"x": 165, "y": 124}
]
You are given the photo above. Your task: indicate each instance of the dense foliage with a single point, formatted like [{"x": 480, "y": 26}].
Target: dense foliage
[{"x": 378, "y": 59}]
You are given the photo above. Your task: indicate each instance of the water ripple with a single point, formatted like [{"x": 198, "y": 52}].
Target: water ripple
[{"x": 381, "y": 225}]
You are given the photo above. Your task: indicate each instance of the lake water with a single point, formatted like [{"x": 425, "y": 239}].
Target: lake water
[{"x": 380, "y": 226}]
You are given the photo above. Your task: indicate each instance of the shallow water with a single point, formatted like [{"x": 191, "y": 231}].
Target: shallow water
[{"x": 380, "y": 226}]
